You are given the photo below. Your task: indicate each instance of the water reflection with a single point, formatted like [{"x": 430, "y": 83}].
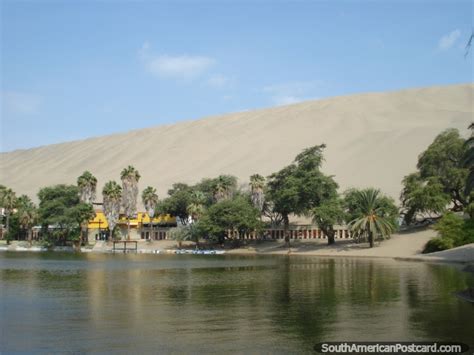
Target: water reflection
[{"x": 149, "y": 303}]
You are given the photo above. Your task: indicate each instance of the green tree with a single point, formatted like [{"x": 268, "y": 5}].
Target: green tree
[
  {"x": 150, "y": 200},
  {"x": 326, "y": 215},
  {"x": 112, "y": 196},
  {"x": 130, "y": 178},
  {"x": 301, "y": 186},
  {"x": 468, "y": 163},
  {"x": 257, "y": 185},
  {"x": 196, "y": 207},
  {"x": 443, "y": 160},
  {"x": 87, "y": 184},
  {"x": 236, "y": 214},
  {"x": 372, "y": 218},
  {"x": 183, "y": 233},
  {"x": 177, "y": 202},
  {"x": 8, "y": 201},
  {"x": 82, "y": 213},
  {"x": 422, "y": 196},
  {"x": 27, "y": 215},
  {"x": 59, "y": 211},
  {"x": 224, "y": 186}
]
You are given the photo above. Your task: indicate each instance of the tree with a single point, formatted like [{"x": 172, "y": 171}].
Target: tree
[
  {"x": 150, "y": 200},
  {"x": 223, "y": 187},
  {"x": 422, "y": 197},
  {"x": 236, "y": 214},
  {"x": 112, "y": 195},
  {"x": 82, "y": 213},
  {"x": 468, "y": 163},
  {"x": 371, "y": 214},
  {"x": 8, "y": 201},
  {"x": 257, "y": 184},
  {"x": 328, "y": 214},
  {"x": 59, "y": 211},
  {"x": 182, "y": 233},
  {"x": 301, "y": 186},
  {"x": 441, "y": 181},
  {"x": 87, "y": 184},
  {"x": 130, "y": 178},
  {"x": 177, "y": 202},
  {"x": 443, "y": 160},
  {"x": 196, "y": 206},
  {"x": 27, "y": 214}
]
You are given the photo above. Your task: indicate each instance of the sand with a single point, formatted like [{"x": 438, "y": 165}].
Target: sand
[
  {"x": 399, "y": 245},
  {"x": 381, "y": 132},
  {"x": 402, "y": 246}
]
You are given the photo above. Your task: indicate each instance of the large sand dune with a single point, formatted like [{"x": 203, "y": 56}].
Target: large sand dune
[{"x": 372, "y": 140}]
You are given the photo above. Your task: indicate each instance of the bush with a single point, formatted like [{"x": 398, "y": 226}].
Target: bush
[
  {"x": 453, "y": 231},
  {"x": 450, "y": 226},
  {"x": 438, "y": 244}
]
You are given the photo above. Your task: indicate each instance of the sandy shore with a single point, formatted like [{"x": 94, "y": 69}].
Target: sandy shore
[{"x": 402, "y": 246}]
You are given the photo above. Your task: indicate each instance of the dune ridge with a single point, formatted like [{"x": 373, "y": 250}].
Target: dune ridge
[{"x": 372, "y": 140}]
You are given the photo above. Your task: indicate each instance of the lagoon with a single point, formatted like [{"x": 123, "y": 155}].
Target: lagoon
[{"x": 141, "y": 303}]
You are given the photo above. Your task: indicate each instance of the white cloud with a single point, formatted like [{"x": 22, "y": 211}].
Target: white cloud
[
  {"x": 448, "y": 40},
  {"x": 174, "y": 66},
  {"x": 20, "y": 102},
  {"x": 179, "y": 66},
  {"x": 291, "y": 93}
]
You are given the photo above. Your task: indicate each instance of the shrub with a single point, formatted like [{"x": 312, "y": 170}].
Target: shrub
[
  {"x": 438, "y": 244},
  {"x": 453, "y": 231}
]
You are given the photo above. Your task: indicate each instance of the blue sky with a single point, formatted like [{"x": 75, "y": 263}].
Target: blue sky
[{"x": 71, "y": 70}]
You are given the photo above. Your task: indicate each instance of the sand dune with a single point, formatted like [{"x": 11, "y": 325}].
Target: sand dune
[{"x": 372, "y": 140}]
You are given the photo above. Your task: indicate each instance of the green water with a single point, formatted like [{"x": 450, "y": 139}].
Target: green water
[{"x": 53, "y": 302}]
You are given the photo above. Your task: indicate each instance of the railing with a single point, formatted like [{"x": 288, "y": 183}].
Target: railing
[
  {"x": 124, "y": 248},
  {"x": 298, "y": 232}
]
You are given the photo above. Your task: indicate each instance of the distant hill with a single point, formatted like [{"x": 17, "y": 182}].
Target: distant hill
[{"x": 372, "y": 139}]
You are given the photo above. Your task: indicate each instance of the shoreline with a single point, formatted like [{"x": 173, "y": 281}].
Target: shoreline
[{"x": 402, "y": 247}]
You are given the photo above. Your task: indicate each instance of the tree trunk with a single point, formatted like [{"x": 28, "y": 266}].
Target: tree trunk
[
  {"x": 371, "y": 239},
  {"x": 128, "y": 228},
  {"x": 30, "y": 236},
  {"x": 7, "y": 227},
  {"x": 330, "y": 234},
  {"x": 286, "y": 224}
]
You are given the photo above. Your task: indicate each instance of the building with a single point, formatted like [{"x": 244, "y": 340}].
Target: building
[{"x": 140, "y": 227}]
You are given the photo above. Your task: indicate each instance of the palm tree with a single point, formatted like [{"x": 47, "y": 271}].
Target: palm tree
[
  {"x": 8, "y": 202},
  {"x": 129, "y": 177},
  {"x": 257, "y": 184},
  {"x": 112, "y": 195},
  {"x": 371, "y": 220},
  {"x": 223, "y": 187},
  {"x": 28, "y": 215},
  {"x": 87, "y": 184},
  {"x": 150, "y": 200},
  {"x": 196, "y": 207}
]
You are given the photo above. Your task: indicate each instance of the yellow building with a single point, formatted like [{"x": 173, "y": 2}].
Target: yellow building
[{"x": 140, "y": 227}]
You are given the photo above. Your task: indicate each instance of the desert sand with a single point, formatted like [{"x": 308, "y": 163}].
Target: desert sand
[{"x": 381, "y": 132}]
